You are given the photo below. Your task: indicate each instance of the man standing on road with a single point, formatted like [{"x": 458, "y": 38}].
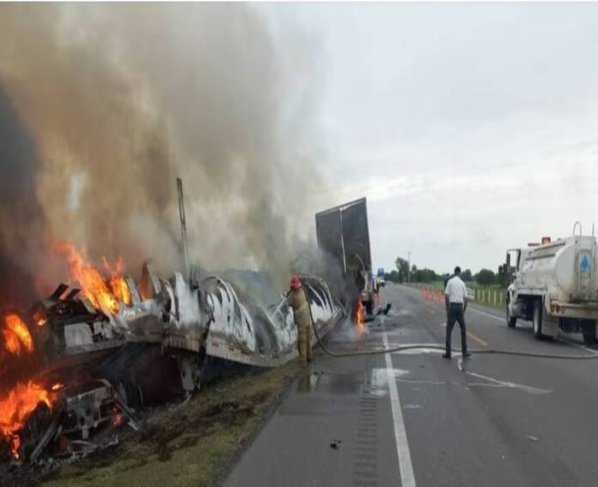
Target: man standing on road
[
  {"x": 297, "y": 299},
  {"x": 446, "y": 300},
  {"x": 456, "y": 301}
]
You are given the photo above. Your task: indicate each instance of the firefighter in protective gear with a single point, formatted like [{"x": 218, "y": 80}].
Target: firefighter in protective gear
[{"x": 297, "y": 299}]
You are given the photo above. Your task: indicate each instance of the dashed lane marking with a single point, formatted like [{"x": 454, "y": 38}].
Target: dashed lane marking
[
  {"x": 471, "y": 335},
  {"x": 477, "y": 339}
]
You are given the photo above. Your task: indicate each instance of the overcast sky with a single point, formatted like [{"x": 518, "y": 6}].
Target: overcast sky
[{"x": 470, "y": 128}]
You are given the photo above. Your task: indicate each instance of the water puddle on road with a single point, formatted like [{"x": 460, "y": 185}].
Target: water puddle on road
[
  {"x": 332, "y": 383},
  {"x": 375, "y": 380}
]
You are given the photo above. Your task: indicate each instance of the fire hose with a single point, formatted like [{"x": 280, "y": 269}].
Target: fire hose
[{"x": 435, "y": 346}]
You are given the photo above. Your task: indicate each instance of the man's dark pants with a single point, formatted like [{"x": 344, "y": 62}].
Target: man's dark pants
[{"x": 455, "y": 313}]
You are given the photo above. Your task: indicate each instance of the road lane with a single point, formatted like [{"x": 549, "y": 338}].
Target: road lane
[
  {"x": 334, "y": 428},
  {"x": 491, "y": 420},
  {"x": 504, "y": 420}
]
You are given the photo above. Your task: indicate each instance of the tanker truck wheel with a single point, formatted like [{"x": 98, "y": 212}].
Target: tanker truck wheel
[
  {"x": 511, "y": 320},
  {"x": 537, "y": 321},
  {"x": 589, "y": 332}
]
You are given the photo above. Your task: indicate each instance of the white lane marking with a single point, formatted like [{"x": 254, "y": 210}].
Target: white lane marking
[
  {"x": 403, "y": 453},
  {"x": 495, "y": 384},
  {"x": 510, "y": 385}
]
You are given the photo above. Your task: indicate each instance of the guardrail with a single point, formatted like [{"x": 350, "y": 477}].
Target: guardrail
[{"x": 490, "y": 297}]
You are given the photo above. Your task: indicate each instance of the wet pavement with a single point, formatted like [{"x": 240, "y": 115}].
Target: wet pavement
[{"x": 417, "y": 419}]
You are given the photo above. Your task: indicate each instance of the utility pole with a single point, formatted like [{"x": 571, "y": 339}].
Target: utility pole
[
  {"x": 179, "y": 184},
  {"x": 408, "y": 267}
]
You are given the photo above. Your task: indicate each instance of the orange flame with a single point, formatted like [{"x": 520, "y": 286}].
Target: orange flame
[
  {"x": 39, "y": 318},
  {"x": 102, "y": 293},
  {"x": 15, "y": 444},
  {"x": 16, "y": 408},
  {"x": 359, "y": 318},
  {"x": 117, "y": 416},
  {"x": 121, "y": 290},
  {"x": 119, "y": 286},
  {"x": 16, "y": 335}
]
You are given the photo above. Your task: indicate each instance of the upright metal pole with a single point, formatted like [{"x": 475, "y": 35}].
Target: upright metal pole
[
  {"x": 340, "y": 215},
  {"x": 179, "y": 184},
  {"x": 408, "y": 267}
]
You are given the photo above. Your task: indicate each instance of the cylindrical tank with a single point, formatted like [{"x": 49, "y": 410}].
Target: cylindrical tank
[{"x": 564, "y": 269}]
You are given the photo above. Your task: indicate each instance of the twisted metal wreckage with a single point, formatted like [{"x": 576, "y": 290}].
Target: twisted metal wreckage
[
  {"x": 84, "y": 367},
  {"x": 100, "y": 368}
]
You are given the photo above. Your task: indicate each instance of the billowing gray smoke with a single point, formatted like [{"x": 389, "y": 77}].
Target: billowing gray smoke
[
  {"x": 120, "y": 99},
  {"x": 20, "y": 214}
]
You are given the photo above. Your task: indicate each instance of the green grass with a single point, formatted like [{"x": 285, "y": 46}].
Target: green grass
[{"x": 190, "y": 445}]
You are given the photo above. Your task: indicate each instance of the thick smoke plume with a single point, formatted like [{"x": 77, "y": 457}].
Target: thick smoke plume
[
  {"x": 103, "y": 106},
  {"x": 20, "y": 213}
]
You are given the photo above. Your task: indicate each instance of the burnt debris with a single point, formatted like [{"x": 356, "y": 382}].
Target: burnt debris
[{"x": 78, "y": 366}]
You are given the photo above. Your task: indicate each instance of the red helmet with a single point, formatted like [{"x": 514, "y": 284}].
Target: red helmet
[{"x": 295, "y": 282}]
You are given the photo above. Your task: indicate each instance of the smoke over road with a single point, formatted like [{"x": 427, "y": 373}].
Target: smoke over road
[{"x": 102, "y": 106}]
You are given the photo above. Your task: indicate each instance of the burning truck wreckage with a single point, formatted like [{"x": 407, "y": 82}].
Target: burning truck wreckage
[
  {"x": 91, "y": 358},
  {"x": 86, "y": 360}
]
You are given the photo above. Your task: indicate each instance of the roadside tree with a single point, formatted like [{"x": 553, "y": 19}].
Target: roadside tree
[{"x": 485, "y": 277}]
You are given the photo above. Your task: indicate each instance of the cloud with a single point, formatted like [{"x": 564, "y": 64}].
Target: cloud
[
  {"x": 471, "y": 217},
  {"x": 471, "y": 128}
]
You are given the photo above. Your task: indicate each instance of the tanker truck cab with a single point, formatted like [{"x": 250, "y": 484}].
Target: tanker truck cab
[{"x": 555, "y": 286}]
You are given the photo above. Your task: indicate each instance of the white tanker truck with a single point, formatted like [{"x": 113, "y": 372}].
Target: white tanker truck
[{"x": 555, "y": 285}]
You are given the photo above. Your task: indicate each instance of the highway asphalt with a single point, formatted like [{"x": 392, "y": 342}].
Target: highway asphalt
[{"x": 418, "y": 419}]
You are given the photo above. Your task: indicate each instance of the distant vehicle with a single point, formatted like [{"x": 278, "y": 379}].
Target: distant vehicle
[
  {"x": 555, "y": 285},
  {"x": 380, "y": 277},
  {"x": 343, "y": 233}
]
